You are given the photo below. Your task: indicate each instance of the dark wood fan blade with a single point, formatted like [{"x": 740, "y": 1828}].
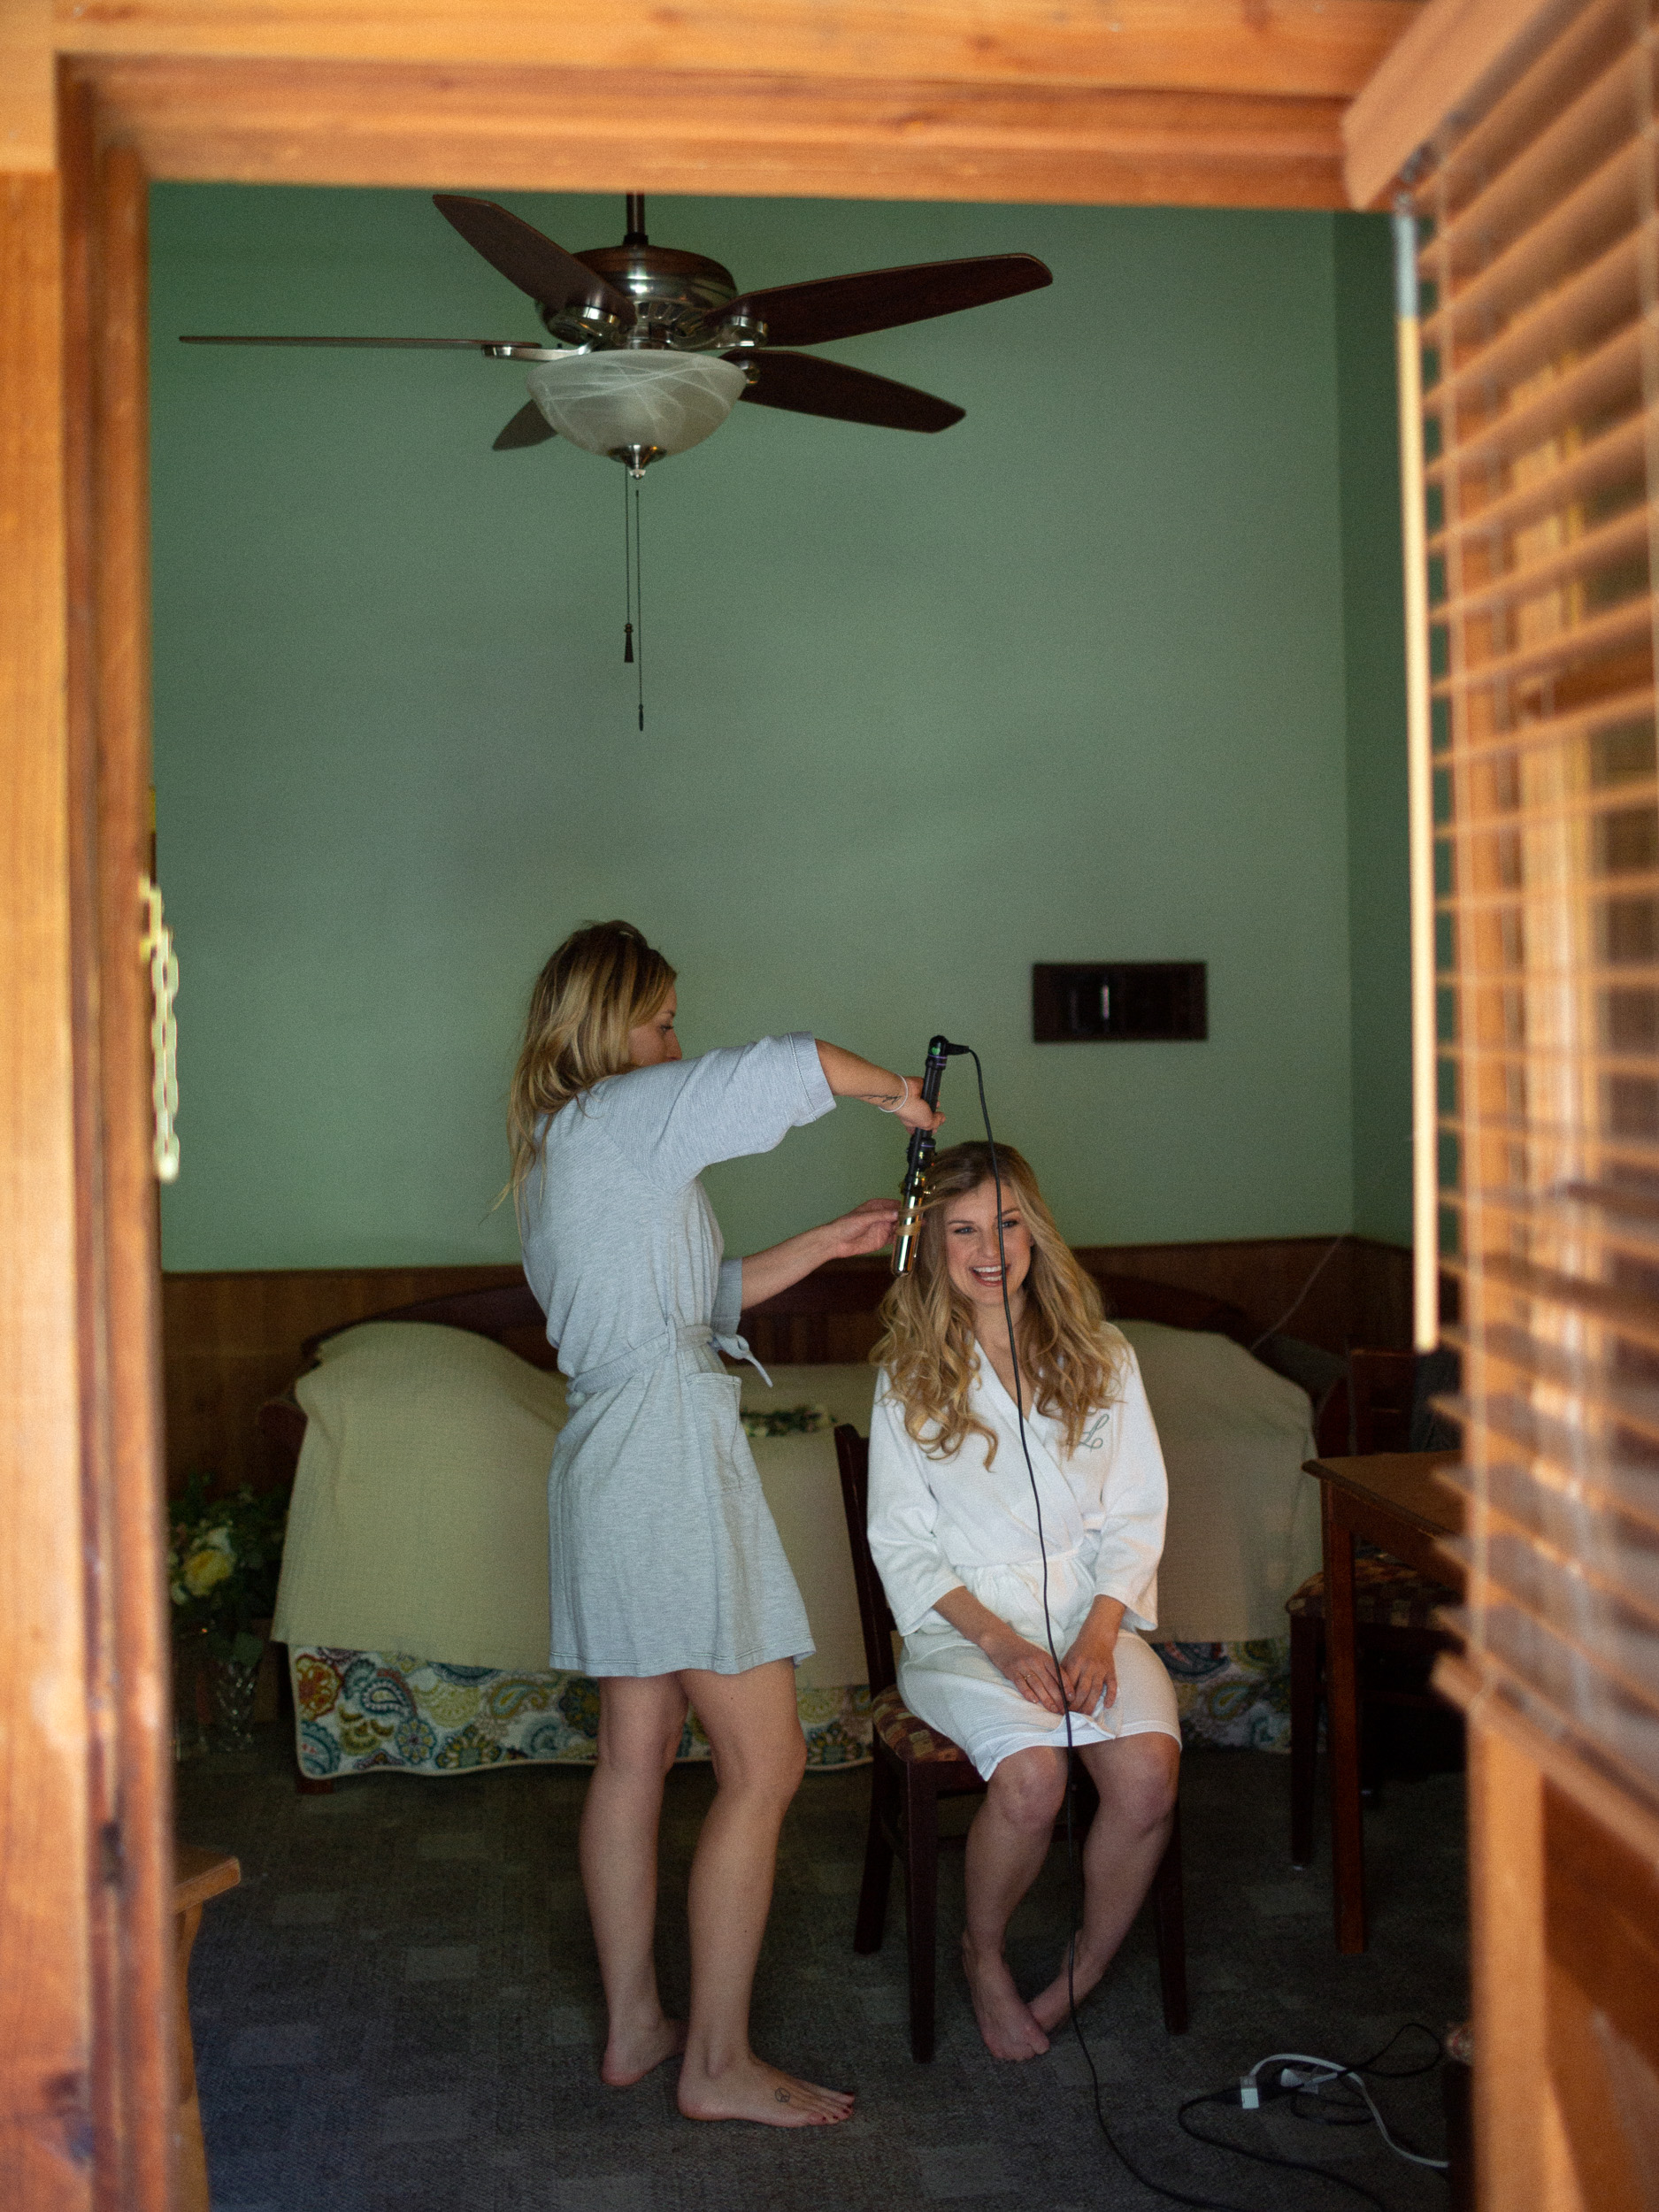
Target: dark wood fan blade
[
  {"x": 807, "y": 385},
  {"x": 845, "y": 307},
  {"x": 552, "y": 276},
  {"x": 528, "y": 426},
  {"x": 476, "y": 345}
]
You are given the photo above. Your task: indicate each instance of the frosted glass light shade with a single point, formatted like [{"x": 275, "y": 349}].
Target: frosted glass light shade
[{"x": 601, "y": 401}]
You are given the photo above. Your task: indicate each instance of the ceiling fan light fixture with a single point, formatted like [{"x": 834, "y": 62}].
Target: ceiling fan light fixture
[{"x": 607, "y": 403}]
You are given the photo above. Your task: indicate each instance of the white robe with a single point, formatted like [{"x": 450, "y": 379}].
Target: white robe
[{"x": 941, "y": 1525}]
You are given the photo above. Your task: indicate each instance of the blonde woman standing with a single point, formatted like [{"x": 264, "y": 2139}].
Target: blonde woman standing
[
  {"x": 669, "y": 1582},
  {"x": 955, "y": 1533}
]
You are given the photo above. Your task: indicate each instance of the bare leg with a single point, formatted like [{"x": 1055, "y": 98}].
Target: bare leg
[
  {"x": 759, "y": 1757},
  {"x": 1136, "y": 1777},
  {"x": 1007, "y": 1845},
  {"x": 640, "y": 1721}
]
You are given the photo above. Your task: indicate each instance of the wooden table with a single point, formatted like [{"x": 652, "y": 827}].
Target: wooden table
[{"x": 1393, "y": 1499}]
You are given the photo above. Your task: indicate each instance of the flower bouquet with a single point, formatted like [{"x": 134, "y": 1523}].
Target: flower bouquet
[
  {"x": 223, "y": 1559},
  {"x": 786, "y": 1421}
]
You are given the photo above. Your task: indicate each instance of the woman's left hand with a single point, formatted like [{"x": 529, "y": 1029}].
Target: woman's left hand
[
  {"x": 1089, "y": 1669},
  {"x": 866, "y": 1229}
]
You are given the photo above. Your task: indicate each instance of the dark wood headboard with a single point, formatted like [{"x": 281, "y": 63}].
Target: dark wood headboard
[
  {"x": 232, "y": 1338},
  {"x": 827, "y": 1317}
]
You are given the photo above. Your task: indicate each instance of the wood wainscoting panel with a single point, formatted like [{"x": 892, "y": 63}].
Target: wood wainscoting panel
[
  {"x": 233, "y": 1340},
  {"x": 1357, "y": 1292}
]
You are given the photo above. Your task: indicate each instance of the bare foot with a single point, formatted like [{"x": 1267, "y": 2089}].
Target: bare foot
[
  {"x": 1053, "y": 2005},
  {"x": 751, "y": 2090},
  {"x": 1007, "y": 2023},
  {"x": 630, "y": 2056}
]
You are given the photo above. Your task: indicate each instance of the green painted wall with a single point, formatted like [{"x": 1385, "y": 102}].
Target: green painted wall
[
  {"x": 1067, "y": 681},
  {"x": 1379, "y": 923}
]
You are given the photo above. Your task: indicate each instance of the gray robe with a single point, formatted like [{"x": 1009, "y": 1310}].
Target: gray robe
[{"x": 663, "y": 1553}]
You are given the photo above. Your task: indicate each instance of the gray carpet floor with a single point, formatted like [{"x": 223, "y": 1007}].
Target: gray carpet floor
[{"x": 399, "y": 2009}]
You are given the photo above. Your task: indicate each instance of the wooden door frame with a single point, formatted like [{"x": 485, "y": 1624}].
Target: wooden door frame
[
  {"x": 1212, "y": 103},
  {"x": 87, "y": 2055}
]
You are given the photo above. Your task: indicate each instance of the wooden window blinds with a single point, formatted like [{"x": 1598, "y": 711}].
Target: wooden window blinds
[{"x": 1537, "y": 268}]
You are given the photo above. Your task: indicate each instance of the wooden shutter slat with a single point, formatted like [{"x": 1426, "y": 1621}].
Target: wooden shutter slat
[
  {"x": 1624, "y": 1746},
  {"x": 1543, "y": 893},
  {"x": 1488, "y": 144},
  {"x": 1596, "y": 303},
  {"x": 1544, "y": 732},
  {"x": 1545, "y": 1137},
  {"x": 1626, "y": 1234},
  {"x": 1610, "y": 371},
  {"x": 1551, "y": 1500},
  {"x": 1504, "y": 1053},
  {"x": 1627, "y": 1406},
  {"x": 1594, "y": 148},
  {"x": 1627, "y": 1310},
  {"x": 1479, "y": 823},
  {"x": 1630, "y": 620},
  {"x": 1602, "y": 464},
  {"x": 1613, "y": 1620},
  {"x": 1618, "y": 1652},
  {"x": 1554, "y": 1498},
  {"x": 1580, "y": 561}
]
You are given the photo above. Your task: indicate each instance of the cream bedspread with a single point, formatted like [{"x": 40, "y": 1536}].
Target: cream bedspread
[{"x": 420, "y": 1517}]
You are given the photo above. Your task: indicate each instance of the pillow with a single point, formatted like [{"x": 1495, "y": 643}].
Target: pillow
[
  {"x": 1243, "y": 1530},
  {"x": 419, "y": 1520},
  {"x": 419, "y": 1517}
]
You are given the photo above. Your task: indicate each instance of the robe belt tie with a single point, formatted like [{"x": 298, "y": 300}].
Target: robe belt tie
[{"x": 677, "y": 1336}]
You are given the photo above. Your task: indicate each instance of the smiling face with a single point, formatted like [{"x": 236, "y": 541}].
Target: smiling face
[
  {"x": 655, "y": 1041},
  {"x": 969, "y": 1235}
]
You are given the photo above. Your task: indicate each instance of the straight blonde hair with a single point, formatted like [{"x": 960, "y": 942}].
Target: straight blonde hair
[
  {"x": 1072, "y": 1354},
  {"x": 603, "y": 981}
]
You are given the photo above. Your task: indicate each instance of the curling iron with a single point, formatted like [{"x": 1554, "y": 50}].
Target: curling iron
[{"x": 919, "y": 1159}]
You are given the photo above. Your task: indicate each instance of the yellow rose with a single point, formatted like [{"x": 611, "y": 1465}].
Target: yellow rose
[{"x": 204, "y": 1569}]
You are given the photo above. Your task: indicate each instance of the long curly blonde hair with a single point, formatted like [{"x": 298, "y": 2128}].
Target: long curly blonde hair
[
  {"x": 603, "y": 981},
  {"x": 1069, "y": 1351}
]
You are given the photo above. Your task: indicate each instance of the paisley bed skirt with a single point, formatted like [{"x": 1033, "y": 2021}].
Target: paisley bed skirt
[{"x": 361, "y": 1712}]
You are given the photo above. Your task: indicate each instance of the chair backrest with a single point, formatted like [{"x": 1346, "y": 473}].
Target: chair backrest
[
  {"x": 1380, "y": 1385},
  {"x": 875, "y": 1618}
]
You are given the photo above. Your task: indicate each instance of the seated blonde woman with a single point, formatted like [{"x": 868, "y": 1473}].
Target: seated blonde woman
[{"x": 955, "y": 1535}]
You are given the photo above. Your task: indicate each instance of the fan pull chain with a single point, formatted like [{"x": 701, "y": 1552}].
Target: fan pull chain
[
  {"x": 627, "y": 583},
  {"x": 638, "y": 596}
]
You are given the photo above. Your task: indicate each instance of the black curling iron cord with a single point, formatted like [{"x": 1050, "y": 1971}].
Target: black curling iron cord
[{"x": 1174, "y": 2196}]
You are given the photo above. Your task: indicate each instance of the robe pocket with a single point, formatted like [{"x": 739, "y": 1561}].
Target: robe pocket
[{"x": 717, "y": 1399}]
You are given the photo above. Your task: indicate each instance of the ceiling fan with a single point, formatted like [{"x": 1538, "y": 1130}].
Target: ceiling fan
[{"x": 652, "y": 347}]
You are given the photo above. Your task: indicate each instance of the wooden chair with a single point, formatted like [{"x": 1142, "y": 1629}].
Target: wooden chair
[
  {"x": 914, "y": 1767},
  {"x": 198, "y": 1875},
  {"x": 1394, "y": 1605}
]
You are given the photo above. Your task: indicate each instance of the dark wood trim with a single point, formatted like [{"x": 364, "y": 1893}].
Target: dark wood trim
[{"x": 235, "y": 1340}]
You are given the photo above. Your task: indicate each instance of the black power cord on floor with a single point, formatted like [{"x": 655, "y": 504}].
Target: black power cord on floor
[
  {"x": 1234, "y": 2095},
  {"x": 1301, "y": 2077}
]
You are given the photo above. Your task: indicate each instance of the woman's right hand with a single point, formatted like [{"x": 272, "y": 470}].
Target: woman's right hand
[
  {"x": 916, "y": 1113},
  {"x": 1027, "y": 1666}
]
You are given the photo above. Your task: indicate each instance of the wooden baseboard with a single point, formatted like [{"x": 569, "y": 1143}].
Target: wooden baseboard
[{"x": 231, "y": 1340}]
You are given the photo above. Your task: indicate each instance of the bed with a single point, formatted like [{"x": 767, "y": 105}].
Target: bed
[{"x": 414, "y": 1601}]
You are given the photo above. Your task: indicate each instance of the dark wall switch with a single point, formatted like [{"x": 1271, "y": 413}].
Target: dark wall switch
[{"x": 1118, "y": 1002}]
